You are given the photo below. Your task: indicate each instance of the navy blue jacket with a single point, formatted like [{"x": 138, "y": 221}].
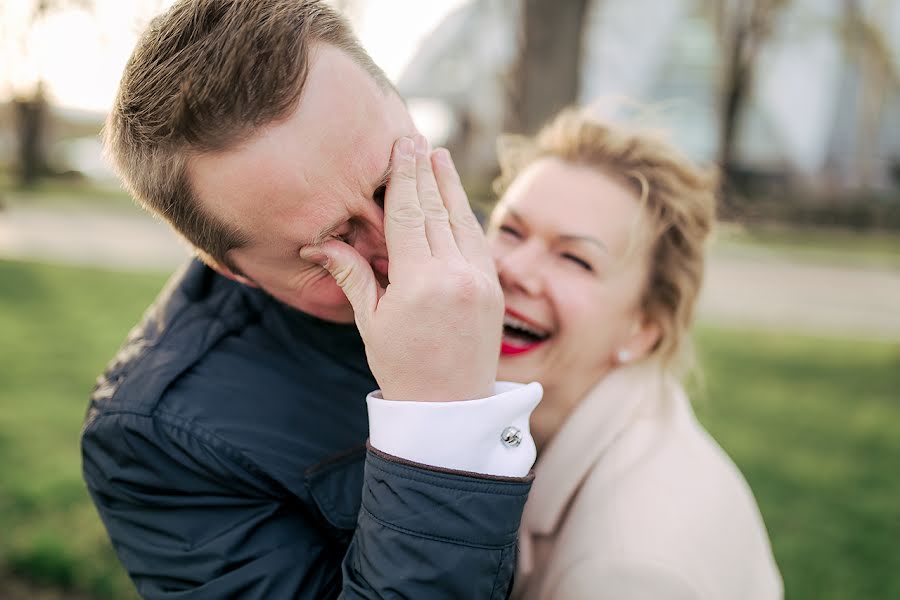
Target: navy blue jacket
[{"x": 224, "y": 448}]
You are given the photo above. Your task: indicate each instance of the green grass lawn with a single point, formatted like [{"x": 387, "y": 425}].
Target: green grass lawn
[
  {"x": 58, "y": 327},
  {"x": 813, "y": 423}
]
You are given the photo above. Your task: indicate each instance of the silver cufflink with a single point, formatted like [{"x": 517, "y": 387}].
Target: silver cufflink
[{"x": 511, "y": 437}]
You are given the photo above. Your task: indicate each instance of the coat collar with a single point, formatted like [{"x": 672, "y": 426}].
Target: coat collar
[{"x": 582, "y": 440}]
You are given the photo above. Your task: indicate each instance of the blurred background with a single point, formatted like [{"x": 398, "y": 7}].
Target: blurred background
[{"x": 798, "y": 101}]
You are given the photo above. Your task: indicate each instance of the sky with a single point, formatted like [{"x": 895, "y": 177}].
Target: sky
[{"x": 80, "y": 54}]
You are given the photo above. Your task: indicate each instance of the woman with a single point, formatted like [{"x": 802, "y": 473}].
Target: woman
[{"x": 599, "y": 244}]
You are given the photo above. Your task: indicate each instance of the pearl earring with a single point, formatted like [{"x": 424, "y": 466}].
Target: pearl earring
[{"x": 624, "y": 356}]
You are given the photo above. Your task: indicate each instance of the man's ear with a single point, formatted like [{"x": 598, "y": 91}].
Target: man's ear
[{"x": 227, "y": 272}]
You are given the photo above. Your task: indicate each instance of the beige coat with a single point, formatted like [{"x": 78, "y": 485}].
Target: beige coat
[{"x": 634, "y": 500}]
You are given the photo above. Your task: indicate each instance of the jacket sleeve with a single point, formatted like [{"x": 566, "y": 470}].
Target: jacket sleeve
[{"x": 190, "y": 518}]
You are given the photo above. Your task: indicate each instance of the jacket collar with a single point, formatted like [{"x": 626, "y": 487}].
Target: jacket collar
[
  {"x": 582, "y": 440},
  {"x": 295, "y": 329}
]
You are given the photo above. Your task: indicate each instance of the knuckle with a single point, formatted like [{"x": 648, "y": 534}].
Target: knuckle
[
  {"x": 435, "y": 211},
  {"x": 464, "y": 286},
  {"x": 342, "y": 276},
  {"x": 404, "y": 175},
  {"x": 424, "y": 167},
  {"x": 407, "y": 215},
  {"x": 466, "y": 220},
  {"x": 450, "y": 174}
]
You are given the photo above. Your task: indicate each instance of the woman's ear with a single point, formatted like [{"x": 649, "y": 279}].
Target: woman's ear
[{"x": 641, "y": 340}]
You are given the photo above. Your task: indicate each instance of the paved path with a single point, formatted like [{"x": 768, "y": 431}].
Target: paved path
[
  {"x": 764, "y": 290},
  {"x": 803, "y": 296},
  {"x": 121, "y": 240}
]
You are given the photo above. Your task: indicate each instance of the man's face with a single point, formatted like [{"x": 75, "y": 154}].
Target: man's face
[{"x": 315, "y": 175}]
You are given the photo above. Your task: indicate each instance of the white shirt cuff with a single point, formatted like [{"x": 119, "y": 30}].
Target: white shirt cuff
[{"x": 488, "y": 436}]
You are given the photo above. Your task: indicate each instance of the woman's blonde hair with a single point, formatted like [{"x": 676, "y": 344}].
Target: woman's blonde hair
[{"x": 679, "y": 201}]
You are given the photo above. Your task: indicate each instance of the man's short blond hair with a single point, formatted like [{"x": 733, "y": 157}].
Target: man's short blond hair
[
  {"x": 205, "y": 76},
  {"x": 679, "y": 201}
]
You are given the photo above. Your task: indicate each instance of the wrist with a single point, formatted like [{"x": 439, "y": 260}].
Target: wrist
[{"x": 429, "y": 392}]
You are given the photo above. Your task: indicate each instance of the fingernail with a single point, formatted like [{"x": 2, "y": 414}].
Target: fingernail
[
  {"x": 421, "y": 144},
  {"x": 314, "y": 255},
  {"x": 405, "y": 148},
  {"x": 443, "y": 157}
]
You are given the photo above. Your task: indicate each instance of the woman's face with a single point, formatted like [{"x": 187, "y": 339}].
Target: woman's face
[{"x": 572, "y": 259}]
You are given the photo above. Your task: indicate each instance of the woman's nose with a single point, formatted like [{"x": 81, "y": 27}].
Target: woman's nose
[{"x": 519, "y": 268}]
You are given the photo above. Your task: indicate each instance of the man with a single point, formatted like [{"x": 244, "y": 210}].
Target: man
[{"x": 225, "y": 447}]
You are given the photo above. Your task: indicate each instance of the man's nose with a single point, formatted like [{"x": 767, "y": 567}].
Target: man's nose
[{"x": 519, "y": 268}]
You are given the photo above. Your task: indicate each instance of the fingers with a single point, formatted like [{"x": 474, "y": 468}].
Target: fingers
[
  {"x": 466, "y": 229},
  {"x": 437, "y": 220},
  {"x": 404, "y": 221},
  {"x": 354, "y": 276}
]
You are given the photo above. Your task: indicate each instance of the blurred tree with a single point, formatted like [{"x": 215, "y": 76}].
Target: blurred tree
[
  {"x": 744, "y": 26},
  {"x": 867, "y": 47},
  {"x": 545, "y": 75},
  {"x": 31, "y": 109},
  {"x": 31, "y": 115}
]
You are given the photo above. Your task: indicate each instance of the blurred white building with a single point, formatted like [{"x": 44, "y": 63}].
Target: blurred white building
[{"x": 822, "y": 106}]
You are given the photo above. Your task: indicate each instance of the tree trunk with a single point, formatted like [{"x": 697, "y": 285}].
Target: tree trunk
[
  {"x": 744, "y": 27},
  {"x": 32, "y": 116},
  {"x": 871, "y": 52},
  {"x": 545, "y": 76},
  {"x": 734, "y": 95}
]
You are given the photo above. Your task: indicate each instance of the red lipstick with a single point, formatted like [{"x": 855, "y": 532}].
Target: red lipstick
[
  {"x": 507, "y": 349},
  {"x": 512, "y": 344}
]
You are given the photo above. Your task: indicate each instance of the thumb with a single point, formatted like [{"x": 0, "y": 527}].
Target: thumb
[{"x": 352, "y": 273}]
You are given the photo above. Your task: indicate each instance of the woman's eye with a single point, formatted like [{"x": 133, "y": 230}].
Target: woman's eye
[
  {"x": 578, "y": 261},
  {"x": 509, "y": 231}
]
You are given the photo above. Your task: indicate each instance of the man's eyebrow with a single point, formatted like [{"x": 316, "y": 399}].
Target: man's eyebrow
[
  {"x": 383, "y": 180},
  {"x": 323, "y": 235},
  {"x": 572, "y": 237}
]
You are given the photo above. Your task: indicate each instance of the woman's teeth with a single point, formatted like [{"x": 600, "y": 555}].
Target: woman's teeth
[{"x": 516, "y": 326}]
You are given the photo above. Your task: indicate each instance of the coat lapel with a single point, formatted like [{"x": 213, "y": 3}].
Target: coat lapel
[{"x": 588, "y": 432}]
